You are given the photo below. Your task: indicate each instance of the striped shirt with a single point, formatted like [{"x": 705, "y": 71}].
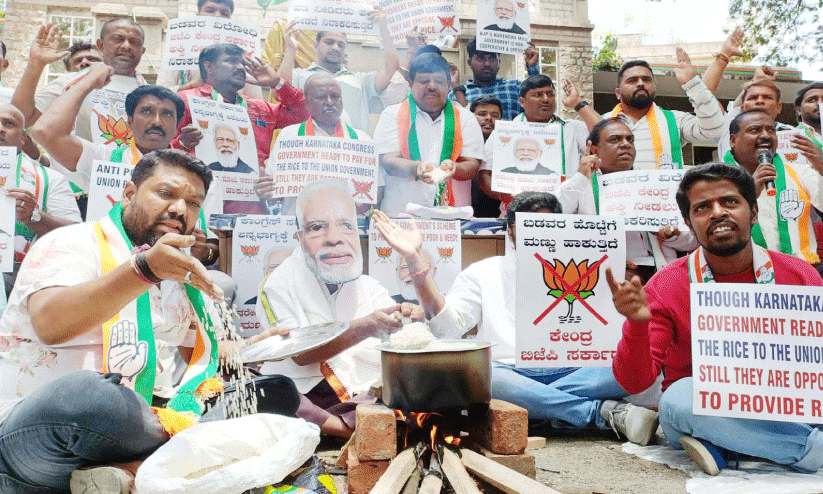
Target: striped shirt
[
  {"x": 706, "y": 124},
  {"x": 506, "y": 90}
]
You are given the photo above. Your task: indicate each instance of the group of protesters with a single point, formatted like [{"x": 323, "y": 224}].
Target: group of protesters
[{"x": 112, "y": 332}]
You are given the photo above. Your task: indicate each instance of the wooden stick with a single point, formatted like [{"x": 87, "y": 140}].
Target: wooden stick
[
  {"x": 344, "y": 453},
  {"x": 433, "y": 481},
  {"x": 414, "y": 480},
  {"x": 505, "y": 479},
  {"x": 400, "y": 469},
  {"x": 457, "y": 474}
]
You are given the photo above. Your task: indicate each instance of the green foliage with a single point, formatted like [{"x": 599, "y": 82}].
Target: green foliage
[{"x": 604, "y": 56}]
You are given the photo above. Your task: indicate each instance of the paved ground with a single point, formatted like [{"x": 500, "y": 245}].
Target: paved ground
[{"x": 590, "y": 464}]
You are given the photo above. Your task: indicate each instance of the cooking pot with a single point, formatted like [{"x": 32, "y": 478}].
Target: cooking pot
[{"x": 445, "y": 375}]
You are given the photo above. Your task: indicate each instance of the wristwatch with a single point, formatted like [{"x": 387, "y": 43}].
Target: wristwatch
[
  {"x": 279, "y": 84},
  {"x": 580, "y": 105},
  {"x": 35, "y": 216}
]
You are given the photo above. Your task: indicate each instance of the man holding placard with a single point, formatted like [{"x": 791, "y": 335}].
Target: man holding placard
[
  {"x": 719, "y": 203},
  {"x": 786, "y": 192},
  {"x": 430, "y": 148},
  {"x": 611, "y": 149},
  {"x": 538, "y": 98},
  {"x": 44, "y": 200},
  {"x": 180, "y": 80},
  {"x": 484, "y": 82},
  {"x": 223, "y": 68},
  {"x": 324, "y": 102},
  {"x": 358, "y": 87},
  {"x": 483, "y": 295}
]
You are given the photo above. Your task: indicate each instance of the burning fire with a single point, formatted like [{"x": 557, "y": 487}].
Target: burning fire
[{"x": 430, "y": 421}]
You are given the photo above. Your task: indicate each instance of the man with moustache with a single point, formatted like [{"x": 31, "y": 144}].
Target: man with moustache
[
  {"x": 227, "y": 149},
  {"x": 323, "y": 282},
  {"x": 324, "y": 102},
  {"x": 79, "y": 309},
  {"x": 527, "y": 155},
  {"x": 488, "y": 110},
  {"x": 611, "y": 149},
  {"x": 784, "y": 218},
  {"x": 223, "y": 70},
  {"x": 430, "y": 148},
  {"x": 807, "y": 105},
  {"x": 658, "y": 133},
  {"x": 720, "y": 206},
  {"x": 121, "y": 45}
]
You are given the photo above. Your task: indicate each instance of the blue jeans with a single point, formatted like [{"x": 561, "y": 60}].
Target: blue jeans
[
  {"x": 786, "y": 443},
  {"x": 571, "y": 395},
  {"x": 81, "y": 419}
]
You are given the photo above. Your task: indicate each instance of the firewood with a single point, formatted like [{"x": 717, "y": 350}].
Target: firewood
[
  {"x": 400, "y": 469},
  {"x": 457, "y": 474},
  {"x": 505, "y": 479}
]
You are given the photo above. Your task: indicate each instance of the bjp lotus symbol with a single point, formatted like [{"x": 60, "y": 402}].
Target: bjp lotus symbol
[
  {"x": 383, "y": 253},
  {"x": 791, "y": 156},
  {"x": 249, "y": 252},
  {"x": 570, "y": 282},
  {"x": 446, "y": 254}
]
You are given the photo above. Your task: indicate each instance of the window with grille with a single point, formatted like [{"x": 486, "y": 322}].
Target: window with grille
[{"x": 75, "y": 28}]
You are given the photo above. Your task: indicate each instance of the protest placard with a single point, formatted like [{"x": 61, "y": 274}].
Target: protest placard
[
  {"x": 430, "y": 17},
  {"x": 503, "y": 26},
  {"x": 527, "y": 157},
  {"x": 441, "y": 249},
  {"x": 297, "y": 161},
  {"x": 564, "y": 313},
  {"x": 757, "y": 351},
  {"x": 259, "y": 245},
  {"x": 227, "y": 146},
  {"x": 788, "y": 153},
  {"x": 347, "y": 16},
  {"x": 8, "y": 169},
  {"x": 188, "y": 36},
  {"x": 5, "y": 94},
  {"x": 106, "y": 187},
  {"x": 108, "y": 120},
  {"x": 644, "y": 199}
]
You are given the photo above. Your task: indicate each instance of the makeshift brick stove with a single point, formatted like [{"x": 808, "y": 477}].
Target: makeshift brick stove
[{"x": 393, "y": 451}]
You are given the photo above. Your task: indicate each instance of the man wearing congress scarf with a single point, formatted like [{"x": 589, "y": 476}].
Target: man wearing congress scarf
[
  {"x": 658, "y": 133},
  {"x": 118, "y": 296},
  {"x": 807, "y": 104},
  {"x": 719, "y": 204},
  {"x": 430, "y": 148},
  {"x": 784, "y": 220}
]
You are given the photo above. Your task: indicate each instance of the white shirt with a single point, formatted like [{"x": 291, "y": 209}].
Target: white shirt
[
  {"x": 70, "y": 256},
  {"x": 60, "y": 200},
  {"x": 292, "y": 296},
  {"x": 357, "y": 88},
  {"x": 706, "y": 124},
  {"x": 400, "y": 191},
  {"x": 98, "y": 106},
  {"x": 724, "y": 145},
  {"x": 482, "y": 295}
]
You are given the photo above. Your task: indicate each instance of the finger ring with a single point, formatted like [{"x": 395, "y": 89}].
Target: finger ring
[{"x": 187, "y": 278}]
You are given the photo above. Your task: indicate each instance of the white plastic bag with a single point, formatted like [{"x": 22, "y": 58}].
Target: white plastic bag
[{"x": 229, "y": 456}]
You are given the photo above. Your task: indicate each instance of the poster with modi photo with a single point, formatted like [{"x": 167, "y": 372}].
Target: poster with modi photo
[{"x": 503, "y": 26}]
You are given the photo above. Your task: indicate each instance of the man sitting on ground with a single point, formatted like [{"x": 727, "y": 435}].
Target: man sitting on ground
[
  {"x": 483, "y": 296},
  {"x": 719, "y": 204},
  {"x": 323, "y": 282}
]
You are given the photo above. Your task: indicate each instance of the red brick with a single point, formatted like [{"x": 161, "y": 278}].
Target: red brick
[
  {"x": 503, "y": 429},
  {"x": 362, "y": 475},
  {"x": 375, "y": 436}
]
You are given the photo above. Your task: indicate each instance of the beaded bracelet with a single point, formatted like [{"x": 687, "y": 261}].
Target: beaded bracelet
[
  {"x": 422, "y": 272},
  {"x": 722, "y": 57}
]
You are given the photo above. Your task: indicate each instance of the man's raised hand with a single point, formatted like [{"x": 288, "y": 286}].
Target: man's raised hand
[
  {"x": 45, "y": 48},
  {"x": 405, "y": 242},
  {"x": 683, "y": 71},
  {"x": 629, "y": 297}
]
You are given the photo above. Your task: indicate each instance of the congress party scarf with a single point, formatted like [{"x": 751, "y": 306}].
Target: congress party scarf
[
  {"x": 699, "y": 271},
  {"x": 782, "y": 224},
  {"x": 203, "y": 362},
  {"x": 117, "y": 157},
  {"x": 452, "y": 142},
  {"x": 654, "y": 117},
  {"x": 811, "y": 135},
  {"x": 307, "y": 128}
]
